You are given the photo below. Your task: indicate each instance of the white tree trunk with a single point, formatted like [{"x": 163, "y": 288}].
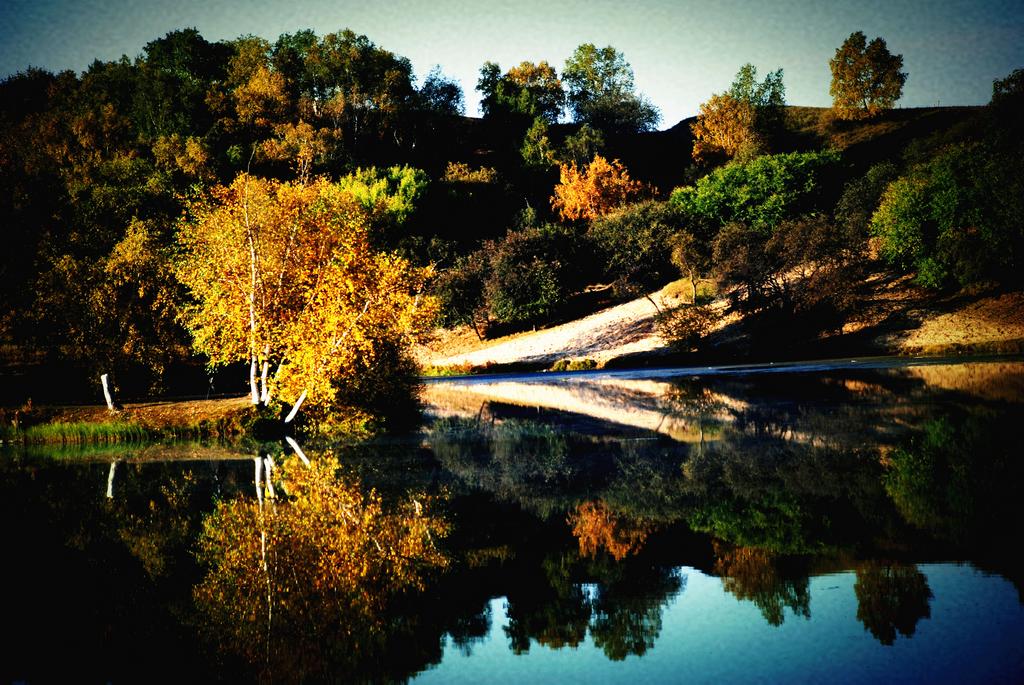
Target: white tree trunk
[
  {"x": 295, "y": 409},
  {"x": 258, "y": 462},
  {"x": 253, "y": 389},
  {"x": 298, "y": 450},
  {"x": 110, "y": 480},
  {"x": 106, "y": 392},
  {"x": 268, "y": 462},
  {"x": 264, "y": 390}
]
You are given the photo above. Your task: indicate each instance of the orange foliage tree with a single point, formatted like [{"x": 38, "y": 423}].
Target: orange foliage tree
[
  {"x": 598, "y": 188},
  {"x": 597, "y": 526}
]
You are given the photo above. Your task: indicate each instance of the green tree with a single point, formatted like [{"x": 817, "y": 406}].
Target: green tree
[
  {"x": 537, "y": 151},
  {"x": 441, "y": 94},
  {"x": 762, "y": 192},
  {"x": 601, "y": 91},
  {"x": 866, "y": 77},
  {"x": 634, "y": 244},
  {"x": 532, "y": 271},
  {"x": 528, "y": 90},
  {"x": 955, "y": 217},
  {"x": 582, "y": 146}
]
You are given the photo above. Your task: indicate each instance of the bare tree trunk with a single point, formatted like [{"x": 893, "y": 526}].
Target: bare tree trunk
[
  {"x": 254, "y": 392},
  {"x": 106, "y": 392},
  {"x": 652, "y": 302},
  {"x": 298, "y": 450},
  {"x": 110, "y": 480},
  {"x": 264, "y": 391},
  {"x": 693, "y": 288},
  {"x": 295, "y": 408}
]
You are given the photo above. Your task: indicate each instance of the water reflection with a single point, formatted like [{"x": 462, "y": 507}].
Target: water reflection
[
  {"x": 305, "y": 586},
  {"x": 634, "y": 519}
]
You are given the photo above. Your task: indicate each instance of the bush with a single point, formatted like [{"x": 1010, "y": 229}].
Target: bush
[
  {"x": 634, "y": 243},
  {"x": 762, "y": 192},
  {"x": 684, "y": 326},
  {"x": 802, "y": 268},
  {"x": 574, "y": 365},
  {"x": 959, "y": 217}
]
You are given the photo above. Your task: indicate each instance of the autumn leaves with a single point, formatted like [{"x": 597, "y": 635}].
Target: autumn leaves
[{"x": 284, "y": 278}]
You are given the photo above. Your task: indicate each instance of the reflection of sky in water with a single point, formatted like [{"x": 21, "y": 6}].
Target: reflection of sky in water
[{"x": 973, "y": 635}]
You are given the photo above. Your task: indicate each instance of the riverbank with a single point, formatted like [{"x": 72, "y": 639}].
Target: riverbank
[
  {"x": 134, "y": 422},
  {"x": 892, "y": 316}
]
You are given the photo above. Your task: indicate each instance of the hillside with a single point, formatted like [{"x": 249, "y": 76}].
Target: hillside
[{"x": 893, "y": 317}]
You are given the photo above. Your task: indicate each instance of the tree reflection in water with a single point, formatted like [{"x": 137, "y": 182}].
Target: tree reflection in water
[
  {"x": 620, "y": 602},
  {"x": 754, "y": 574},
  {"x": 891, "y": 597},
  {"x": 306, "y": 585}
]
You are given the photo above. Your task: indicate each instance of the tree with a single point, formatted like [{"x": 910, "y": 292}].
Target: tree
[
  {"x": 725, "y": 128},
  {"x": 866, "y": 77},
  {"x": 601, "y": 91},
  {"x": 284, "y": 274},
  {"x": 528, "y": 90},
  {"x": 536, "y": 150},
  {"x": 441, "y": 94},
  {"x": 633, "y": 242},
  {"x": 460, "y": 292},
  {"x": 595, "y": 190},
  {"x": 324, "y": 558},
  {"x": 531, "y": 272},
  {"x": 736, "y": 123},
  {"x": 692, "y": 257}
]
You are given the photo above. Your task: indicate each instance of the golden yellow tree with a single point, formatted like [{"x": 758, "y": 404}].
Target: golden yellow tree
[
  {"x": 726, "y": 127},
  {"x": 283, "y": 274},
  {"x": 598, "y": 188}
]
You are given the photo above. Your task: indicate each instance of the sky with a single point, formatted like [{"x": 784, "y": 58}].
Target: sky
[{"x": 681, "y": 52}]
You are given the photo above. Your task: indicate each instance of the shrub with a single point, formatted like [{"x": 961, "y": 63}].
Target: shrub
[
  {"x": 574, "y": 365},
  {"x": 532, "y": 271},
  {"x": 684, "y": 326},
  {"x": 634, "y": 243},
  {"x": 762, "y": 192},
  {"x": 802, "y": 268}
]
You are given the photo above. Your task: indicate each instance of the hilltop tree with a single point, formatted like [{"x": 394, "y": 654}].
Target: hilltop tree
[
  {"x": 601, "y": 91},
  {"x": 736, "y": 123},
  {"x": 531, "y": 90},
  {"x": 866, "y": 77},
  {"x": 725, "y": 127}
]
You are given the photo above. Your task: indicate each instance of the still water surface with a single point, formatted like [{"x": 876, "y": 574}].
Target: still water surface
[{"x": 852, "y": 522}]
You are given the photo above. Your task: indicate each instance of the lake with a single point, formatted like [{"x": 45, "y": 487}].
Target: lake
[{"x": 847, "y": 521}]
